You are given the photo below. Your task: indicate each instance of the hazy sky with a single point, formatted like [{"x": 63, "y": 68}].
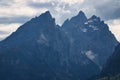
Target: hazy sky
[{"x": 13, "y": 13}]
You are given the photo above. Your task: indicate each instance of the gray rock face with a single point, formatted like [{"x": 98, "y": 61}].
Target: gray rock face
[
  {"x": 40, "y": 50},
  {"x": 112, "y": 67},
  {"x": 90, "y": 37}
]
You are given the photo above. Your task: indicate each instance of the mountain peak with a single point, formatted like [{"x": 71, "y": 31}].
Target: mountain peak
[
  {"x": 79, "y": 19},
  {"x": 95, "y": 17},
  {"x": 46, "y": 15},
  {"x": 81, "y": 13}
]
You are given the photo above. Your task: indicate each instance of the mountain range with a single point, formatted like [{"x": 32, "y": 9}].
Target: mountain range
[
  {"x": 42, "y": 50},
  {"x": 92, "y": 36}
]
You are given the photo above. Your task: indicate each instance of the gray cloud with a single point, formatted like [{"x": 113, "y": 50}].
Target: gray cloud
[
  {"x": 117, "y": 13},
  {"x": 39, "y": 5},
  {"x": 106, "y": 9},
  {"x": 109, "y": 10},
  {"x": 1, "y": 39},
  {"x": 57, "y": 9},
  {"x": 4, "y": 32},
  {"x": 17, "y": 19},
  {"x": 6, "y": 3}
]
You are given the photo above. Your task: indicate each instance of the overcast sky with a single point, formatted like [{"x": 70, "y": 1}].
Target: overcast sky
[{"x": 13, "y": 13}]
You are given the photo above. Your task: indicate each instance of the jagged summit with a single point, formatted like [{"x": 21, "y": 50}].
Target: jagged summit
[
  {"x": 81, "y": 17},
  {"x": 46, "y": 14},
  {"x": 44, "y": 17},
  {"x": 81, "y": 13},
  {"x": 95, "y": 18},
  {"x": 40, "y": 50},
  {"x": 34, "y": 27},
  {"x": 91, "y": 35}
]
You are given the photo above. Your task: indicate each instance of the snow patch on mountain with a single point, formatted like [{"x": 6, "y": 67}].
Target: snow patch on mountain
[
  {"x": 90, "y": 55},
  {"x": 83, "y": 29},
  {"x": 89, "y": 21},
  {"x": 42, "y": 39},
  {"x": 86, "y": 23},
  {"x": 93, "y": 27}
]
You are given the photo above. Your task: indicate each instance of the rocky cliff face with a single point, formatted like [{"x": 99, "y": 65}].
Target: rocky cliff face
[
  {"x": 40, "y": 50},
  {"x": 112, "y": 67},
  {"x": 90, "y": 37}
]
